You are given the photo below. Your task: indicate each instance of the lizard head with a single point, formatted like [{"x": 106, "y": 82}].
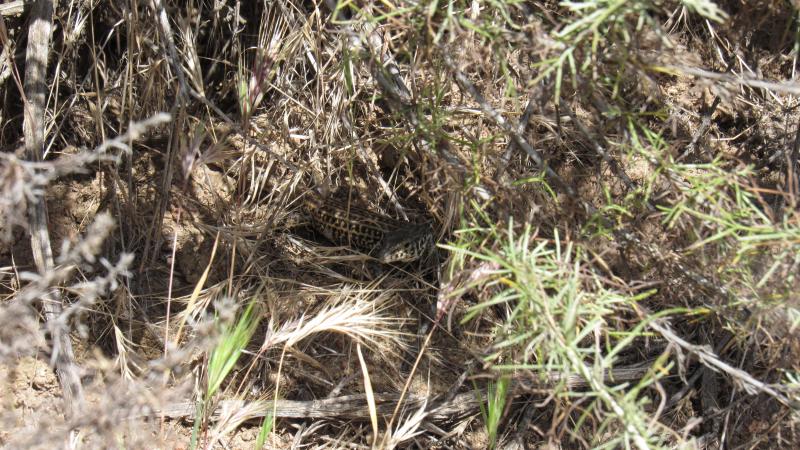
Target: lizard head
[{"x": 406, "y": 244}]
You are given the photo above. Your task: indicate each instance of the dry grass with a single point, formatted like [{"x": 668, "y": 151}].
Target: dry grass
[{"x": 614, "y": 187}]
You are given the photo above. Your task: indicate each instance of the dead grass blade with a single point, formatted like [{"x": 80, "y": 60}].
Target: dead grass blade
[{"x": 370, "y": 395}]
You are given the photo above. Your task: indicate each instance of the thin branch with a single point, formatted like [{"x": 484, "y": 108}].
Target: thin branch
[
  {"x": 354, "y": 407},
  {"x": 37, "y": 52},
  {"x": 604, "y": 154},
  {"x": 510, "y": 128},
  {"x": 788, "y": 87},
  {"x": 709, "y": 359},
  {"x": 524, "y": 123}
]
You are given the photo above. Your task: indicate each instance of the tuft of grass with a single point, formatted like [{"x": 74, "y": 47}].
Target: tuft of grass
[
  {"x": 264, "y": 431},
  {"x": 562, "y": 319},
  {"x": 234, "y": 338},
  {"x": 493, "y": 410}
]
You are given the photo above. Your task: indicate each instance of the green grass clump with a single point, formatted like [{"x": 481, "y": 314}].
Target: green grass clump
[{"x": 563, "y": 320}]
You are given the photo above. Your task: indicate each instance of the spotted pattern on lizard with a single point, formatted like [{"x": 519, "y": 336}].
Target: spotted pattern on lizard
[{"x": 387, "y": 239}]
